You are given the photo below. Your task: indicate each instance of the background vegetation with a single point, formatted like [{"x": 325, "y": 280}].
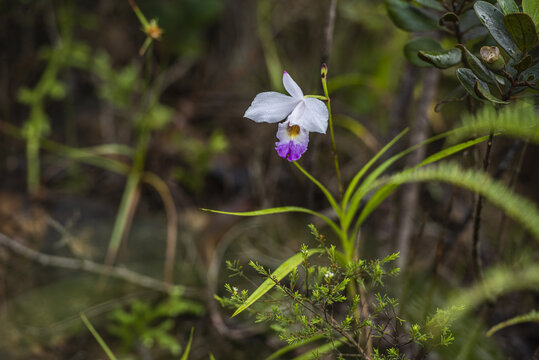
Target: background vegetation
[{"x": 112, "y": 141}]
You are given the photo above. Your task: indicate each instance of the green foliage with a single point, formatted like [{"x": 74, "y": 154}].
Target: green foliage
[
  {"x": 198, "y": 155},
  {"x": 152, "y": 325},
  {"x": 328, "y": 301},
  {"x": 522, "y": 30},
  {"x": 532, "y": 316},
  {"x": 521, "y": 209},
  {"x": 518, "y": 121}
]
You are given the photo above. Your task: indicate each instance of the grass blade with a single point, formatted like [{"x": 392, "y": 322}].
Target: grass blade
[
  {"x": 276, "y": 276},
  {"x": 96, "y": 335},
  {"x": 532, "y": 316},
  {"x": 280, "y": 210},
  {"x": 185, "y": 355}
]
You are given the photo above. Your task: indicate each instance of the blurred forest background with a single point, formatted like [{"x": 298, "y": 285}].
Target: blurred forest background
[{"x": 133, "y": 146}]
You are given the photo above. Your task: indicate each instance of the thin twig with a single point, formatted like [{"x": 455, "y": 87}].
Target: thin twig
[
  {"x": 328, "y": 31},
  {"x": 476, "y": 257},
  {"x": 90, "y": 266}
]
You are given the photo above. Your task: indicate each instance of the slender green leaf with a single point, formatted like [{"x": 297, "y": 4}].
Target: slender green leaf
[
  {"x": 277, "y": 354},
  {"x": 386, "y": 190},
  {"x": 280, "y": 210},
  {"x": 442, "y": 59},
  {"x": 185, "y": 355},
  {"x": 326, "y": 192},
  {"x": 364, "y": 188},
  {"x": 320, "y": 350},
  {"x": 412, "y": 48},
  {"x": 409, "y": 17},
  {"x": 522, "y": 30},
  {"x": 283, "y": 270},
  {"x": 518, "y": 121},
  {"x": 98, "y": 337},
  {"x": 492, "y": 19},
  {"x": 532, "y": 316},
  {"x": 352, "y": 186},
  {"x": 508, "y": 6},
  {"x": 531, "y": 7},
  {"x": 211, "y": 356},
  {"x": 516, "y": 206}
]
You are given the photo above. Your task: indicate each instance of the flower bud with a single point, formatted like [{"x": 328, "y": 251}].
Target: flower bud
[
  {"x": 324, "y": 71},
  {"x": 491, "y": 56}
]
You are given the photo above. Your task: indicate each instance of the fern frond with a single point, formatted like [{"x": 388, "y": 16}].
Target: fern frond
[
  {"x": 519, "y": 208},
  {"x": 532, "y": 316},
  {"x": 520, "y": 121}
]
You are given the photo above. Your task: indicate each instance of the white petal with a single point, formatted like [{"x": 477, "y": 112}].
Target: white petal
[
  {"x": 270, "y": 107},
  {"x": 315, "y": 117},
  {"x": 299, "y": 111},
  {"x": 291, "y": 86}
]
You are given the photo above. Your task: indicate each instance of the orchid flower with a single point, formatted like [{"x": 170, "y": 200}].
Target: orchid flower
[{"x": 303, "y": 115}]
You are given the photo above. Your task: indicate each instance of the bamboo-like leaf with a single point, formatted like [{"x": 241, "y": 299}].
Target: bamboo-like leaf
[
  {"x": 519, "y": 208},
  {"x": 518, "y": 121},
  {"x": 277, "y": 354},
  {"x": 322, "y": 349},
  {"x": 280, "y": 210},
  {"x": 497, "y": 281},
  {"x": 364, "y": 187},
  {"x": 386, "y": 190},
  {"x": 283, "y": 270},
  {"x": 352, "y": 186},
  {"x": 185, "y": 355},
  {"x": 326, "y": 192},
  {"x": 532, "y": 316}
]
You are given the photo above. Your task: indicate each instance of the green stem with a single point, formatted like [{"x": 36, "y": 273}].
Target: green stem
[
  {"x": 333, "y": 146},
  {"x": 98, "y": 337}
]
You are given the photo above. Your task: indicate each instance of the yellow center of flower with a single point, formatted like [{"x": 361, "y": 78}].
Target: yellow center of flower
[
  {"x": 293, "y": 131},
  {"x": 154, "y": 31}
]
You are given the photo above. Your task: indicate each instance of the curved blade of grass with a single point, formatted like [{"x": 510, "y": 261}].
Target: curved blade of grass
[
  {"x": 326, "y": 192},
  {"x": 519, "y": 208},
  {"x": 382, "y": 193},
  {"x": 277, "y": 275},
  {"x": 185, "y": 355},
  {"x": 322, "y": 349},
  {"x": 351, "y": 187},
  {"x": 364, "y": 187},
  {"x": 280, "y": 210},
  {"x": 358, "y": 129},
  {"x": 98, "y": 337},
  {"x": 532, "y": 316},
  {"x": 284, "y": 350}
]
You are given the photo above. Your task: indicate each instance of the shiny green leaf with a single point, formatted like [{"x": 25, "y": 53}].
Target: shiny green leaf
[
  {"x": 468, "y": 79},
  {"x": 412, "y": 48},
  {"x": 508, "y": 6},
  {"x": 524, "y": 63},
  {"x": 283, "y": 270},
  {"x": 409, "y": 17},
  {"x": 522, "y": 30},
  {"x": 493, "y": 20},
  {"x": 477, "y": 66},
  {"x": 482, "y": 91},
  {"x": 531, "y": 7},
  {"x": 442, "y": 59},
  {"x": 449, "y": 17}
]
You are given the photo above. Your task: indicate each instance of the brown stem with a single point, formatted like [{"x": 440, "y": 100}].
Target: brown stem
[
  {"x": 476, "y": 257},
  {"x": 89, "y": 266}
]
